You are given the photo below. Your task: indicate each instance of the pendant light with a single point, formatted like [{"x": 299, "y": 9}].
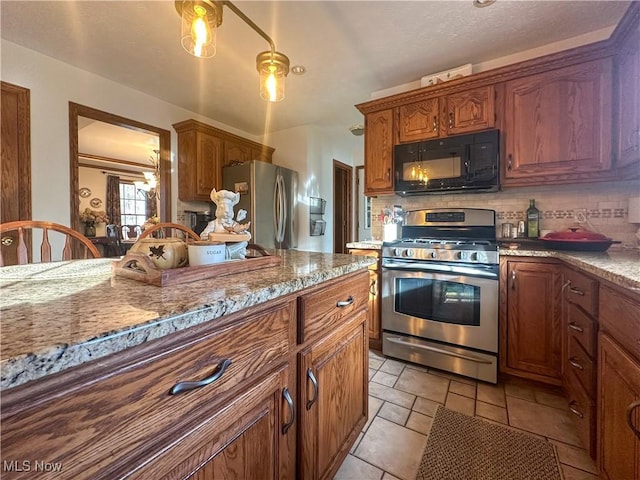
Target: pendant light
[{"x": 201, "y": 19}]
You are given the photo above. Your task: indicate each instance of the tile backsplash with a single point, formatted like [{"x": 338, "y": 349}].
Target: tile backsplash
[{"x": 604, "y": 205}]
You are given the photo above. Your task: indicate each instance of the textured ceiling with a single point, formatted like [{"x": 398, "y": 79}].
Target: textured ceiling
[{"x": 350, "y": 49}]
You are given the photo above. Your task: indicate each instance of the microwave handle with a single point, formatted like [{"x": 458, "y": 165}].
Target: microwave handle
[{"x": 467, "y": 161}]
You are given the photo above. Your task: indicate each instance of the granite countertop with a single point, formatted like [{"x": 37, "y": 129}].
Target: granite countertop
[
  {"x": 621, "y": 267},
  {"x": 366, "y": 245},
  {"x": 58, "y": 315}
]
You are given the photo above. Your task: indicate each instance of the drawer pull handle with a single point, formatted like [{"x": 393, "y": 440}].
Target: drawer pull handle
[
  {"x": 345, "y": 303},
  {"x": 574, "y": 410},
  {"x": 314, "y": 381},
  {"x": 292, "y": 410},
  {"x": 630, "y": 410},
  {"x": 186, "y": 386},
  {"x": 576, "y": 291},
  {"x": 575, "y": 327},
  {"x": 372, "y": 288},
  {"x": 575, "y": 364}
]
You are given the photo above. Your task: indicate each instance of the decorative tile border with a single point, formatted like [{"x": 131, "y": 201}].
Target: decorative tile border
[{"x": 563, "y": 214}]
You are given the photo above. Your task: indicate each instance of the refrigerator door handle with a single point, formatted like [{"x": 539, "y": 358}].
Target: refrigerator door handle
[
  {"x": 283, "y": 212},
  {"x": 276, "y": 205}
]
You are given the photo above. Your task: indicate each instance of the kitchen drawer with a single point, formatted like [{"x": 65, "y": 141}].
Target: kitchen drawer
[
  {"x": 97, "y": 426},
  {"x": 620, "y": 316},
  {"x": 581, "y": 366},
  {"x": 582, "y": 328},
  {"x": 581, "y": 290},
  {"x": 582, "y": 410},
  {"x": 323, "y": 310}
]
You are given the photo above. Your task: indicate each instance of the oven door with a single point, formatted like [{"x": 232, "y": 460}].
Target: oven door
[{"x": 446, "y": 302}]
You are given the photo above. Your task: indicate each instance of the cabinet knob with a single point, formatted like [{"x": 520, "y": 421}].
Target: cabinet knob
[
  {"x": 577, "y": 328},
  {"x": 574, "y": 410},
  {"x": 574, "y": 363}
]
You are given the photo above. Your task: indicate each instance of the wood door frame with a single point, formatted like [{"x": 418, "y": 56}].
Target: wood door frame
[
  {"x": 77, "y": 110},
  {"x": 24, "y": 151},
  {"x": 348, "y": 201}
]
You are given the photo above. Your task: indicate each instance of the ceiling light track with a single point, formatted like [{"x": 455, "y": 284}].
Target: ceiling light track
[{"x": 200, "y": 20}]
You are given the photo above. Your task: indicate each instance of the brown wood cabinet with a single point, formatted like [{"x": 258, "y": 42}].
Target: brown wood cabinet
[
  {"x": 558, "y": 124},
  {"x": 628, "y": 95},
  {"x": 202, "y": 153},
  {"x": 373, "y": 319},
  {"x": 530, "y": 312},
  {"x": 378, "y": 153},
  {"x": 453, "y": 114},
  {"x": 619, "y": 384},
  {"x": 579, "y": 352},
  {"x": 130, "y": 414}
]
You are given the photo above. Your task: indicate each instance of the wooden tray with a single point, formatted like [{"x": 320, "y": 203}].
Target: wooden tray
[{"x": 139, "y": 266}]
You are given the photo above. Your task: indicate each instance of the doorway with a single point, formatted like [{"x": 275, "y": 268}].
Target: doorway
[{"x": 342, "y": 206}]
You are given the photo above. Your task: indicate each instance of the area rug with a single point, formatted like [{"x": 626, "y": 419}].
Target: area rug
[{"x": 461, "y": 447}]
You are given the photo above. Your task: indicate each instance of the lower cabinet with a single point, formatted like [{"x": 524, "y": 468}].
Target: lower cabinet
[
  {"x": 530, "y": 310},
  {"x": 374, "y": 319},
  {"x": 332, "y": 377}
]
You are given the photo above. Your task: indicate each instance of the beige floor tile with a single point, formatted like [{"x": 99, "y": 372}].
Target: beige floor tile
[
  {"x": 372, "y": 372},
  {"x": 491, "y": 394},
  {"x": 355, "y": 469},
  {"x": 393, "y": 367},
  {"x": 570, "y": 473},
  {"x": 575, "y": 457},
  {"x": 392, "y": 448},
  {"x": 425, "y": 406},
  {"x": 520, "y": 391},
  {"x": 547, "y": 421},
  {"x": 550, "y": 399},
  {"x": 374, "y": 406},
  {"x": 423, "y": 384},
  {"x": 420, "y": 423},
  {"x": 388, "y": 476},
  {"x": 356, "y": 443},
  {"x": 492, "y": 412},
  {"x": 462, "y": 389},
  {"x": 385, "y": 378},
  {"x": 391, "y": 395},
  {"x": 461, "y": 404},
  {"x": 375, "y": 363},
  {"x": 420, "y": 368},
  {"x": 377, "y": 354},
  {"x": 394, "y": 413},
  {"x": 453, "y": 376}
]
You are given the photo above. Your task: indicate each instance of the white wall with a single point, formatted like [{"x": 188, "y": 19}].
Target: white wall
[{"x": 53, "y": 85}]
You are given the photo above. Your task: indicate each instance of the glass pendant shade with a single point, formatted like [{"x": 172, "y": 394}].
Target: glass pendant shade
[
  {"x": 273, "y": 69},
  {"x": 200, "y": 22}
]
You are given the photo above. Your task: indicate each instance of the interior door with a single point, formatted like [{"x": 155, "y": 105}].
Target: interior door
[
  {"x": 342, "y": 221},
  {"x": 15, "y": 162}
]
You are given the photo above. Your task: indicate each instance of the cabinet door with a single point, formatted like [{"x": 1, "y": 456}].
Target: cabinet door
[
  {"x": 378, "y": 153},
  {"x": 246, "y": 440},
  {"x": 235, "y": 152},
  {"x": 468, "y": 111},
  {"x": 419, "y": 121},
  {"x": 619, "y": 384},
  {"x": 558, "y": 123},
  {"x": 373, "y": 321},
  {"x": 533, "y": 336},
  {"x": 628, "y": 82},
  {"x": 199, "y": 156},
  {"x": 333, "y": 385}
]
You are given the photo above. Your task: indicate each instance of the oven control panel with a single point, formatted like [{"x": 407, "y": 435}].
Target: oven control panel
[{"x": 442, "y": 255}]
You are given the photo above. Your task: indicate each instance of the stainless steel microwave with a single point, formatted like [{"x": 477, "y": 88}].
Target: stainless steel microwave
[{"x": 460, "y": 163}]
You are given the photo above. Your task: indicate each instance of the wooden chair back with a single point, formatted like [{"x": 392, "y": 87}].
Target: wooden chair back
[
  {"x": 113, "y": 248},
  {"x": 18, "y": 236},
  {"x": 164, "y": 230}
]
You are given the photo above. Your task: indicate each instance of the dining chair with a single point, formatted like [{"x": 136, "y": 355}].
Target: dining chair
[
  {"x": 167, "y": 229},
  {"x": 114, "y": 247},
  {"x": 18, "y": 237}
]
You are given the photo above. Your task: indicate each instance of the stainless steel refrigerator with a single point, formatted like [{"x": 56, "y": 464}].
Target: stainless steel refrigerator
[{"x": 269, "y": 195}]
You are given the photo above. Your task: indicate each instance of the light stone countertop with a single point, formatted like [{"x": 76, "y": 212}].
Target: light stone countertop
[
  {"x": 58, "y": 315},
  {"x": 621, "y": 267},
  {"x": 366, "y": 245}
]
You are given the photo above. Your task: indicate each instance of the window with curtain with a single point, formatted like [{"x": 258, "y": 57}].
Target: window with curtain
[{"x": 133, "y": 204}]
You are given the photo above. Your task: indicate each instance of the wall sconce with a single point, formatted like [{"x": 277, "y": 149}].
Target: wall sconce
[{"x": 201, "y": 19}]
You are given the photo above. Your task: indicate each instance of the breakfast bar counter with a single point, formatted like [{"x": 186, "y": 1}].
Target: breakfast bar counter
[{"x": 58, "y": 315}]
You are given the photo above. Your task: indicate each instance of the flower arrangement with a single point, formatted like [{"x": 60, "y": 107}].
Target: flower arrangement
[{"x": 93, "y": 216}]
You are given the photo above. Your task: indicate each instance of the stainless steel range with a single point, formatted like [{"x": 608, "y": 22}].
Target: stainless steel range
[{"x": 440, "y": 292}]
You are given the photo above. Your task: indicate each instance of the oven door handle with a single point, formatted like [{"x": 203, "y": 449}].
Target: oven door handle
[
  {"x": 438, "y": 268},
  {"x": 471, "y": 358}
]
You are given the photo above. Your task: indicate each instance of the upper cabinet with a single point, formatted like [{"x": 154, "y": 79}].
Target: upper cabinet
[
  {"x": 558, "y": 124},
  {"x": 453, "y": 114},
  {"x": 202, "y": 153},
  {"x": 378, "y": 153}
]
